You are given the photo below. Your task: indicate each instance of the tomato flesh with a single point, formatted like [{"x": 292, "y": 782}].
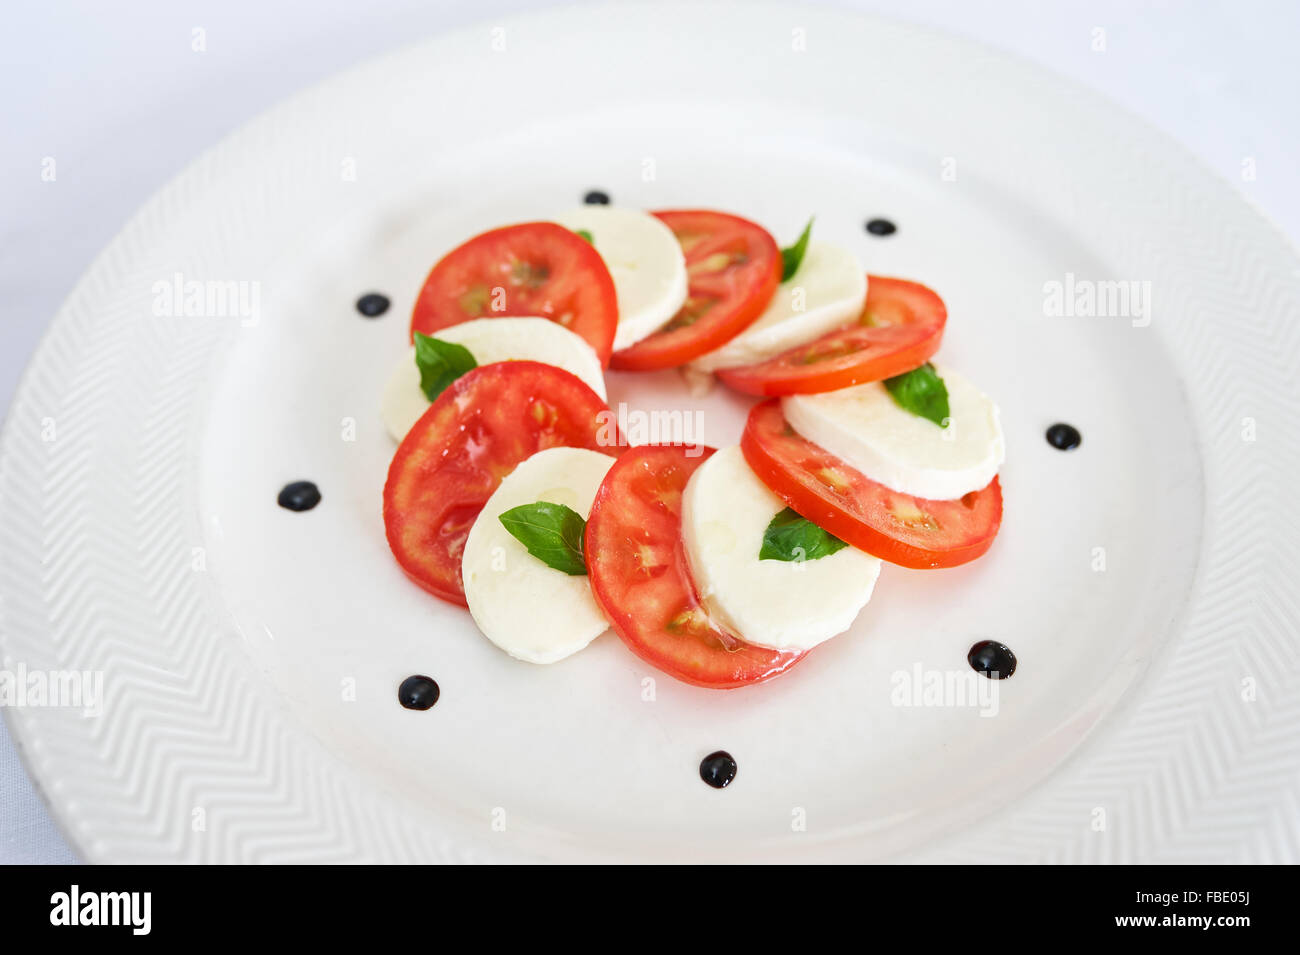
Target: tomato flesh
[
  {"x": 476, "y": 432},
  {"x": 902, "y": 529},
  {"x": 899, "y": 329},
  {"x": 536, "y": 268},
  {"x": 733, "y": 268},
  {"x": 639, "y": 575}
]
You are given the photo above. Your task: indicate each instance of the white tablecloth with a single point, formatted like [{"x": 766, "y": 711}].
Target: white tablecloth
[{"x": 116, "y": 94}]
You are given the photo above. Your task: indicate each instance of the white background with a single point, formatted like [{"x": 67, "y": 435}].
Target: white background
[{"x": 119, "y": 99}]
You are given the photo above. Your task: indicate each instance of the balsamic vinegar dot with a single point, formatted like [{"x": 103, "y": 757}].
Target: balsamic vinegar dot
[
  {"x": 372, "y": 304},
  {"x": 596, "y": 197},
  {"x": 299, "y": 496},
  {"x": 1064, "y": 437},
  {"x": 881, "y": 227},
  {"x": 995, "y": 660},
  {"x": 418, "y": 692},
  {"x": 718, "y": 769}
]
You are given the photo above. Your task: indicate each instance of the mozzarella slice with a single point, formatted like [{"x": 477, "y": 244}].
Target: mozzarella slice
[
  {"x": 530, "y": 610},
  {"x": 490, "y": 340},
  {"x": 826, "y": 292},
  {"x": 771, "y": 603},
  {"x": 903, "y": 451},
  {"x": 646, "y": 262}
]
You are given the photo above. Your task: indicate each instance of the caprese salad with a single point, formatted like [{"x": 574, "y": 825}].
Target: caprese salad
[{"x": 512, "y": 493}]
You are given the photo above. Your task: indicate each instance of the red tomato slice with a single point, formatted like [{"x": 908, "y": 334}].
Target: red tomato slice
[
  {"x": 899, "y": 329},
  {"x": 488, "y": 420},
  {"x": 733, "y": 268},
  {"x": 899, "y": 528},
  {"x": 636, "y": 563},
  {"x": 537, "y": 268}
]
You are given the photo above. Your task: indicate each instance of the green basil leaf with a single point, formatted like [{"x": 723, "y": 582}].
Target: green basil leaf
[
  {"x": 922, "y": 392},
  {"x": 586, "y": 235},
  {"x": 440, "y": 363},
  {"x": 551, "y": 532},
  {"x": 794, "y": 538},
  {"x": 792, "y": 256}
]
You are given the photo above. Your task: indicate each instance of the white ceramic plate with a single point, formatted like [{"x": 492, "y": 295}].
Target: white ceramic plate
[{"x": 251, "y": 655}]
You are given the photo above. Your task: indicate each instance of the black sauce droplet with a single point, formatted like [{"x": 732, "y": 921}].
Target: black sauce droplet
[
  {"x": 372, "y": 304},
  {"x": 881, "y": 227},
  {"x": 718, "y": 769},
  {"x": 299, "y": 496},
  {"x": 1064, "y": 437},
  {"x": 995, "y": 660},
  {"x": 596, "y": 198},
  {"x": 418, "y": 692}
]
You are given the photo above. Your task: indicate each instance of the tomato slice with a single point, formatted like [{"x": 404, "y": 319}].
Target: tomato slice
[
  {"x": 899, "y": 528},
  {"x": 476, "y": 432},
  {"x": 733, "y": 267},
  {"x": 636, "y": 563},
  {"x": 537, "y": 268},
  {"x": 899, "y": 329}
]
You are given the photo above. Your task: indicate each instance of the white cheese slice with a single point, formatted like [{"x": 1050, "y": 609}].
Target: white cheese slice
[
  {"x": 490, "y": 340},
  {"x": 901, "y": 450},
  {"x": 645, "y": 261},
  {"x": 530, "y": 610},
  {"x": 828, "y": 290},
  {"x": 770, "y": 603}
]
